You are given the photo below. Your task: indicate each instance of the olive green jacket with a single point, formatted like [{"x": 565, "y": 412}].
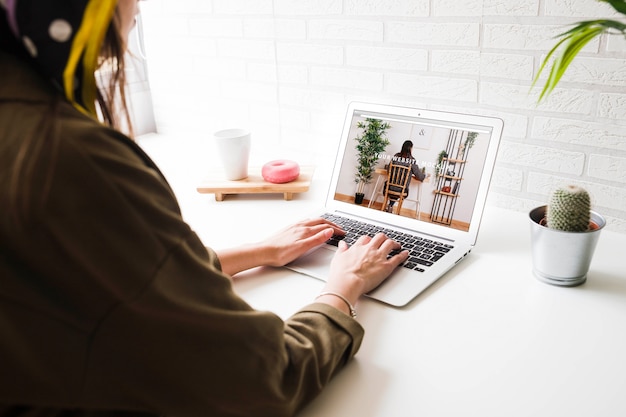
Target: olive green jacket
[{"x": 111, "y": 305}]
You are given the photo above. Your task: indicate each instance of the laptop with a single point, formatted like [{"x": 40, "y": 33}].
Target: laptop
[{"x": 440, "y": 217}]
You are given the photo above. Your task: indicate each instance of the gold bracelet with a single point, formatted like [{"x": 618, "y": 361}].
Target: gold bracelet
[{"x": 345, "y": 300}]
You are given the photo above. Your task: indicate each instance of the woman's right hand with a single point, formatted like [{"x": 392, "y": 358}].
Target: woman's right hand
[{"x": 360, "y": 268}]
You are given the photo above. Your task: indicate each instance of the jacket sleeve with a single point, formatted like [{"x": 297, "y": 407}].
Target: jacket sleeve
[
  {"x": 417, "y": 172},
  {"x": 188, "y": 346}
]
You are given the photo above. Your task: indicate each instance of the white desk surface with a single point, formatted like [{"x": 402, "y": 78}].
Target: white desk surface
[{"x": 488, "y": 339}]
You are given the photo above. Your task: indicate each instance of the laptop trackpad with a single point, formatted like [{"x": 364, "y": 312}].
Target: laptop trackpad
[{"x": 315, "y": 264}]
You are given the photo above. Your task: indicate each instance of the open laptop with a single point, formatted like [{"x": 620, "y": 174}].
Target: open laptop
[{"x": 457, "y": 152}]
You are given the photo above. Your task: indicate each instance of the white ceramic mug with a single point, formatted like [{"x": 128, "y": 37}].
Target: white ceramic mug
[{"x": 234, "y": 149}]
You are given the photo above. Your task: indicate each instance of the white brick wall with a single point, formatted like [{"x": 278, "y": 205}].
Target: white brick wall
[
  {"x": 439, "y": 34},
  {"x": 386, "y": 58},
  {"x": 511, "y": 8},
  {"x": 288, "y": 68},
  {"x": 413, "y": 8}
]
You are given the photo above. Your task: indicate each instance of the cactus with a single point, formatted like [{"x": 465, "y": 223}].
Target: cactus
[{"x": 569, "y": 209}]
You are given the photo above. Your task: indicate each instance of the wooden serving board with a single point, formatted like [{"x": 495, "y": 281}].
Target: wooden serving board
[{"x": 216, "y": 184}]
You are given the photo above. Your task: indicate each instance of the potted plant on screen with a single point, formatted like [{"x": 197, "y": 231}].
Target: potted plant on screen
[
  {"x": 573, "y": 41},
  {"x": 439, "y": 162},
  {"x": 564, "y": 235},
  {"x": 370, "y": 144}
]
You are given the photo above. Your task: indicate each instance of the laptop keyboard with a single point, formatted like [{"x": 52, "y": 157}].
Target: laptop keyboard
[{"x": 422, "y": 252}]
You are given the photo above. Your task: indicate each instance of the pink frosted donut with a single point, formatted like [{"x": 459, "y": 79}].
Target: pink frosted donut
[{"x": 280, "y": 171}]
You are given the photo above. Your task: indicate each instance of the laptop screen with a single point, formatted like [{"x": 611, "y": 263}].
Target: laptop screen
[{"x": 451, "y": 158}]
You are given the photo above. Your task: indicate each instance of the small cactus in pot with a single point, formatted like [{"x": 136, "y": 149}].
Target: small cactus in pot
[
  {"x": 569, "y": 209},
  {"x": 564, "y": 234}
]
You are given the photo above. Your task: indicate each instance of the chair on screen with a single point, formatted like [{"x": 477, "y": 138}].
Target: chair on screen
[{"x": 396, "y": 187}]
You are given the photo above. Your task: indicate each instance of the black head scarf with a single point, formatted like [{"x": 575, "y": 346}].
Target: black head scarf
[{"x": 63, "y": 38}]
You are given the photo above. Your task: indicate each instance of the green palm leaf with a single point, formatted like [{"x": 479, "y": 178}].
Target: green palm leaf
[
  {"x": 619, "y": 5},
  {"x": 572, "y": 42}
]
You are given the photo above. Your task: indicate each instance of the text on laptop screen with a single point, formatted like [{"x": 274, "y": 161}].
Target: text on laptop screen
[{"x": 446, "y": 160}]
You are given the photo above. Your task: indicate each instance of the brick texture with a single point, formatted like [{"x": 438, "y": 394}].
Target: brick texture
[{"x": 288, "y": 69}]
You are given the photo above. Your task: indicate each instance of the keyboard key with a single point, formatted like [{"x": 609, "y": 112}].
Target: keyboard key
[
  {"x": 436, "y": 257},
  {"x": 424, "y": 262},
  {"x": 413, "y": 266}
]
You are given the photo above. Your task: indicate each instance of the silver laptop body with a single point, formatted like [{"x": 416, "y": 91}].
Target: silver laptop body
[{"x": 458, "y": 151}]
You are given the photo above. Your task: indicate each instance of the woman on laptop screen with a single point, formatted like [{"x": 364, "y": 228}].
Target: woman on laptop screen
[{"x": 405, "y": 158}]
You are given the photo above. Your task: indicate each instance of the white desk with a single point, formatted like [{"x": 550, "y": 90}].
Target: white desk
[{"x": 487, "y": 340}]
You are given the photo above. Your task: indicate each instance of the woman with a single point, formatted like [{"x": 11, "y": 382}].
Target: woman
[
  {"x": 109, "y": 303},
  {"x": 405, "y": 158}
]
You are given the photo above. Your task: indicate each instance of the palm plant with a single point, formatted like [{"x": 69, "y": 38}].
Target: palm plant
[
  {"x": 370, "y": 145},
  {"x": 573, "y": 41}
]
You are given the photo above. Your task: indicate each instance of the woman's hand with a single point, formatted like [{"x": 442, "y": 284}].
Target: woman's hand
[
  {"x": 293, "y": 241},
  {"x": 360, "y": 268},
  {"x": 280, "y": 249}
]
